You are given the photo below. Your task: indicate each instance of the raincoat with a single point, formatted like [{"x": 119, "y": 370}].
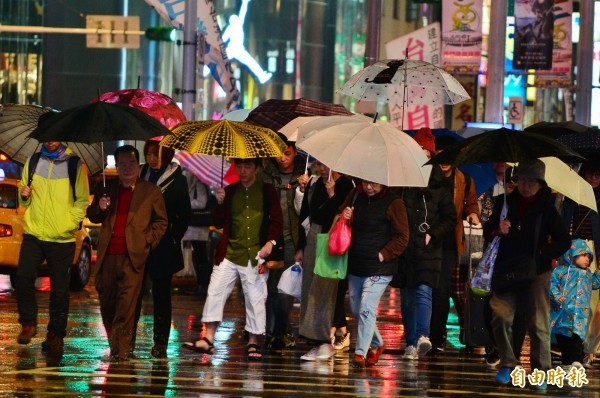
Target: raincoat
[{"x": 576, "y": 285}]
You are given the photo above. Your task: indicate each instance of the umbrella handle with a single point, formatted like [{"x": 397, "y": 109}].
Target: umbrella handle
[
  {"x": 306, "y": 167},
  {"x": 103, "y": 174}
]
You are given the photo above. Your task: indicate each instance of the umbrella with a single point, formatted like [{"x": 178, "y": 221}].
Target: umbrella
[
  {"x": 208, "y": 168},
  {"x": 158, "y": 105},
  {"x": 290, "y": 130},
  {"x": 588, "y": 143},
  {"x": 225, "y": 138},
  {"x": 372, "y": 150},
  {"x": 558, "y": 129},
  {"x": 483, "y": 174},
  {"x": 276, "y": 113},
  {"x": 405, "y": 81},
  {"x": 503, "y": 145},
  {"x": 16, "y": 124},
  {"x": 239, "y": 115},
  {"x": 563, "y": 179},
  {"x": 98, "y": 122}
]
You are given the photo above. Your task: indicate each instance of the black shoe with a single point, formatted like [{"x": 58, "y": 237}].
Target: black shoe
[
  {"x": 461, "y": 336},
  {"x": 53, "y": 343},
  {"x": 276, "y": 344},
  {"x": 492, "y": 358},
  {"x": 159, "y": 351},
  {"x": 436, "y": 350}
]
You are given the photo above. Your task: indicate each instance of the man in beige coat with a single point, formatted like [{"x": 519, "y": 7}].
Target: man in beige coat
[{"x": 134, "y": 219}]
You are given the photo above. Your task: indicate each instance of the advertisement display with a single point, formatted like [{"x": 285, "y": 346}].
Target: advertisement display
[
  {"x": 462, "y": 35},
  {"x": 215, "y": 52},
  {"x": 423, "y": 45},
  {"x": 534, "y": 26},
  {"x": 562, "y": 54}
]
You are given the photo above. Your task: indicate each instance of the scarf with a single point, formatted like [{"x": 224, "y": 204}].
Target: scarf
[{"x": 54, "y": 155}]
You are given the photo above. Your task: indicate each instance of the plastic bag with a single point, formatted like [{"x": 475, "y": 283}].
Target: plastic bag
[
  {"x": 481, "y": 284},
  {"x": 340, "y": 237},
  {"x": 291, "y": 281}
]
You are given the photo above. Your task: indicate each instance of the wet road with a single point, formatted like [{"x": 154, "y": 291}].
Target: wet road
[{"x": 83, "y": 370}]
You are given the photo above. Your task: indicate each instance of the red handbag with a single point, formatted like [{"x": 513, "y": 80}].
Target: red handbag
[{"x": 340, "y": 237}]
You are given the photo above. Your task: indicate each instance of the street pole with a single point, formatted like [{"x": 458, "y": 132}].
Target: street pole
[
  {"x": 373, "y": 32},
  {"x": 494, "y": 93},
  {"x": 585, "y": 58},
  {"x": 190, "y": 33}
]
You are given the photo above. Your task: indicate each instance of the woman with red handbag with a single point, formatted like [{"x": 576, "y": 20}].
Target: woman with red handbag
[{"x": 379, "y": 237}]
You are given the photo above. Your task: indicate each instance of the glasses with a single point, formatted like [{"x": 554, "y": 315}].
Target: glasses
[{"x": 372, "y": 184}]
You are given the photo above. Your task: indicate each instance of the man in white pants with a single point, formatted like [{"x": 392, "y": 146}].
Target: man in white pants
[{"x": 250, "y": 215}]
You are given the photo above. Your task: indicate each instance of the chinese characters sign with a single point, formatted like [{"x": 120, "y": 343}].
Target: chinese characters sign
[
  {"x": 562, "y": 53},
  {"x": 534, "y": 26}
]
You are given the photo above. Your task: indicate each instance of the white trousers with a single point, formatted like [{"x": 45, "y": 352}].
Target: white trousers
[{"x": 254, "y": 285}]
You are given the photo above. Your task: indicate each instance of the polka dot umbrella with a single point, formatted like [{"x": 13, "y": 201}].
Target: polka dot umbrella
[
  {"x": 405, "y": 82},
  {"x": 225, "y": 138}
]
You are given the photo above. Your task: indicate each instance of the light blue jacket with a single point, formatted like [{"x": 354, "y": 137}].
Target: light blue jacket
[{"x": 576, "y": 285}]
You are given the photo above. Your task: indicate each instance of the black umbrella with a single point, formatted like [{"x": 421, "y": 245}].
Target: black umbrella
[
  {"x": 557, "y": 129},
  {"x": 504, "y": 145},
  {"x": 588, "y": 143},
  {"x": 98, "y": 122}
]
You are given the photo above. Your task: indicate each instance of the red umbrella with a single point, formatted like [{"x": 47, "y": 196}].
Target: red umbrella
[
  {"x": 158, "y": 105},
  {"x": 276, "y": 113}
]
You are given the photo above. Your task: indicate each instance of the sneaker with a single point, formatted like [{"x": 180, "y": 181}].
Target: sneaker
[
  {"x": 311, "y": 355},
  {"x": 423, "y": 346},
  {"x": 342, "y": 342},
  {"x": 503, "y": 375},
  {"x": 288, "y": 340},
  {"x": 577, "y": 364},
  {"x": 436, "y": 350},
  {"x": 325, "y": 352},
  {"x": 587, "y": 362},
  {"x": 541, "y": 387},
  {"x": 27, "y": 333},
  {"x": 410, "y": 353},
  {"x": 53, "y": 342},
  {"x": 492, "y": 359}
]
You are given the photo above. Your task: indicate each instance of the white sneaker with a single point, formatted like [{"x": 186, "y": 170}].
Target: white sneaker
[
  {"x": 342, "y": 342},
  {"x": 410, "y": 353},
  {"x": 587, "y": 362},
  {"x": 423, "y": 346},
  {"x": 325, "y": 352},
  {"x": 311, "y": 355},
  {"x": 576, "y": 364}
]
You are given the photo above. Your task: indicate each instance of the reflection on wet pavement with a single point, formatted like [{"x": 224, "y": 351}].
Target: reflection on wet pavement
[{"x": 84, "y": 370}]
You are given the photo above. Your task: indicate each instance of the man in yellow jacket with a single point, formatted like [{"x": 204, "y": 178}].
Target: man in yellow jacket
[{"x": 52, "y": 218}]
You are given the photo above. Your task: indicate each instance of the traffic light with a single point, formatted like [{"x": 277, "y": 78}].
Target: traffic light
[{"x": 162, "y": 33}]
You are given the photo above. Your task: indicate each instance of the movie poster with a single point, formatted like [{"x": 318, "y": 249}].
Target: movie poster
[
  {"x": 534, "y": 26},
  {"x": 560, "y": 74},
  {"x": 462, "y": 36}
]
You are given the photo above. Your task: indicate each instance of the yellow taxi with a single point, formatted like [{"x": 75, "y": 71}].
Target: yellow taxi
[{"x": 11, "y": 235}]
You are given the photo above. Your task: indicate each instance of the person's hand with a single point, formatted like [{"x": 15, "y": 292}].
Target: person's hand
[
  {"x": 347, "y": 213},
  {"x": 303, "y": 181},
  {"x": 299, "y": 258},
  {"x": 427, "y": 239},
  {"x": 25, "y": 192},
  {"x": 380, "y": 257},
  {"x": 504, "y": 227},
  {"x": 104, "y": 202},
  {"x": 220, "y": 195},
  {"x": 266, "y": 250},
  {"x": 561, "y": 299},
  {"x": 473, "y": 219},
  {"x": 330, "y": 185}
]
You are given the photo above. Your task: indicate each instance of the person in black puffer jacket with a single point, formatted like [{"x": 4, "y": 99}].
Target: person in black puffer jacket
[{"x": 379, "y": 237}]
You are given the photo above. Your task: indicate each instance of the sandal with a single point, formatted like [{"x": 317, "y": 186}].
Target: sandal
[
  {"x": 253, "y": 353},
  {"x": 193, "y": 346}
]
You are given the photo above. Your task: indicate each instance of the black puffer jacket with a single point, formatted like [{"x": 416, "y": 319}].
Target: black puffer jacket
[
  {"x": 434, "y": 205},
  {"x": 553, "y": 239}
]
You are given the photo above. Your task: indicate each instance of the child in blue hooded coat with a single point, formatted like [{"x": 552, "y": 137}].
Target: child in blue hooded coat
[{"x": 570, "y": 295}]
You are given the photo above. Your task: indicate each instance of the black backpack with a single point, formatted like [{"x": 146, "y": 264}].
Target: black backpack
[{"x": 72, "y": 168}]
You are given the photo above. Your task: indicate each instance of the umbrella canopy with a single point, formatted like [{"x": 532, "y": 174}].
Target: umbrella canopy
[
  {"x": 158, "y": 105},
  {"x": 208, "y": 169},
  {"x": 483, "y": 174},
  {"x": 98, "y": 122},
  {"x": 503, "y": 145},
  {"x": 290, "y": 130},
  {"x": 390, "y": 79},
  {"x": 374, "y": 151},
  {"x": 587, "y": 144},
  {"x": 16, "y": 124},
  {"x": 557, "y": 129},
  {"x": 276, "y": 113},
  {"x": 239, "y": 115},
  {"x": 563, "y": 179},
  {"x": 225, "y": 138}
]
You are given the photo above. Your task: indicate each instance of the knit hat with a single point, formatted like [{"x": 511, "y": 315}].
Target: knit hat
[
  {"x": 531, "y": 168},
  {"x": 425, "y": 138}
]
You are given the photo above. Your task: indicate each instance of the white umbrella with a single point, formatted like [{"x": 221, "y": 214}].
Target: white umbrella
[
  {"x": 239, "y": 115},
  {"x": 358, "y": 146},
  {"x": 290, "y": 130},
  {"x": 563, "y": 179}
]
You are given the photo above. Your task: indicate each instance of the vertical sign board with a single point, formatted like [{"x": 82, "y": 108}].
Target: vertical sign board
[
  {"x": 423, "y": 44},
  {"x": 515, "y": 110},
  {"x": 560, "y": 74},
  {"x": 462, "y": 35}
]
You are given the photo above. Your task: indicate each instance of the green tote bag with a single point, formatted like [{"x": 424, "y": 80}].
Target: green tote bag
[{"x": 326, "y": 266}]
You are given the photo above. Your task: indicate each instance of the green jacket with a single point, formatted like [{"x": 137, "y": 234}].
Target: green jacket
[{"x": 51, "y": 214}]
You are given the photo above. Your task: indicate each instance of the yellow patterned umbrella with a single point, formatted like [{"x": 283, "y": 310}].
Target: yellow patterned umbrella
[{"x": 225, "y": 138}]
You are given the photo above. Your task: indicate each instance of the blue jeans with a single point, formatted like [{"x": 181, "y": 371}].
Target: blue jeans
[
  {"x": 416, "y": 312},
  {"x": 365, "y": 294}
]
